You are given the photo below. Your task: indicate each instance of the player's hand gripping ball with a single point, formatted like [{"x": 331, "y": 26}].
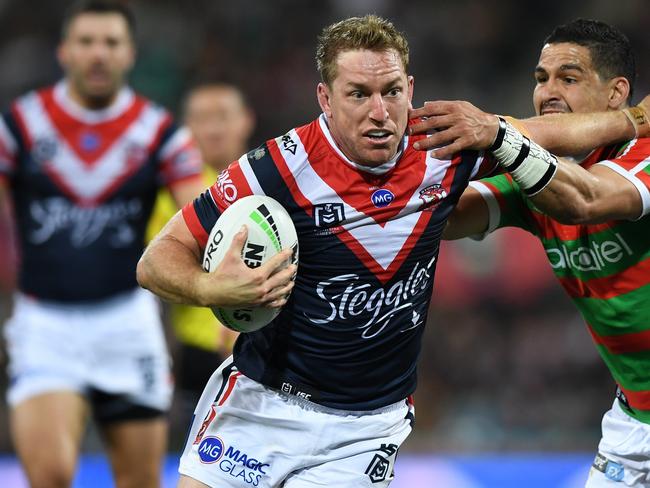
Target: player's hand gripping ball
[{"x": 270, "y": 229}]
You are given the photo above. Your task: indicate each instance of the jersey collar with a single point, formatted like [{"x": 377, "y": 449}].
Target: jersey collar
[{"x": 122, "y": 102}]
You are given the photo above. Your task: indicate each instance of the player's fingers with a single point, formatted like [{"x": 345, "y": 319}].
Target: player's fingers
[
  {"x": 282, "y": 277},
  {"x": 441, "y": 138},
  {"x": 276, "y": 263},
  {"x": 448, "y": 151},
  {"x": 430, "y": 109},
  {"x": 433, "y": 124},
  {"x": 278, "y": 296}
]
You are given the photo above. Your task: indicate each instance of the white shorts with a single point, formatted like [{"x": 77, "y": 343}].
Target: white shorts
[
  {"x": 247, "y": 435},
  {"x": 623, "y": 457},
  {"x": 116, "y": 347}
]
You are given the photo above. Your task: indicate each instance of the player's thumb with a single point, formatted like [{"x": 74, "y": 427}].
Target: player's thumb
[{"x": 239, "y": 241}]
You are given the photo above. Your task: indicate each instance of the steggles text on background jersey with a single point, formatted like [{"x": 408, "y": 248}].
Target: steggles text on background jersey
[{"x": 83, "y": 183}]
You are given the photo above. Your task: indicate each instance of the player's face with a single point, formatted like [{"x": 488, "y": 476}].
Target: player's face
[
  {"x": 367, "y": 105},
  {"x": 567, "y": 81},
  {"x": 96, "y": 54},
  {"x": 220, "y": 122}
]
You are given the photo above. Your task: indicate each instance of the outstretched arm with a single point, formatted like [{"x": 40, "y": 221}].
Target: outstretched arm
[
  {"x": 565, "y": 191},
  {"x": 455, "y": 125},
  {"x": 171, "y": 268}
]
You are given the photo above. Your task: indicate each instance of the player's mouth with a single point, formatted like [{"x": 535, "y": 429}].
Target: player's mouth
[
  {"x": 554, "y": 109},
  {"x": 378, "y": 136}
]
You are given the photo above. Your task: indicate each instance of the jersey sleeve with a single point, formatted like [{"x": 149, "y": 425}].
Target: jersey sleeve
[
  {"x": 633, "y": 163},
  {"x": 506, "y": 205},
  {"x": 179, "y": 157},
  {"x": 486, "y": 165},
  {"x": 201, "y": 214}
]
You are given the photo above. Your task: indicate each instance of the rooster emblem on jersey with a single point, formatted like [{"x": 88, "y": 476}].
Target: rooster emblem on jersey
[{"x": 431, "y": 196}]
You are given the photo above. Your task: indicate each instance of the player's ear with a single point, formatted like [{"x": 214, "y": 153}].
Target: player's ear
[
  {"x": 619, "y": 92},
  {"x": 411, "y": 82},
  {"x": 61, "y": 54},
  {"x": 323, "y": 95}
]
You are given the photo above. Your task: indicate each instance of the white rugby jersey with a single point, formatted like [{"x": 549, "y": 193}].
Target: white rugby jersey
[
  {"x": 350, "y": 335},
  {"x": 83, "y": 184}
]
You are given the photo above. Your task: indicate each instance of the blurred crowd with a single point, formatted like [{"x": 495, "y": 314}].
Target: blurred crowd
[{"x": 507, "y": 362}]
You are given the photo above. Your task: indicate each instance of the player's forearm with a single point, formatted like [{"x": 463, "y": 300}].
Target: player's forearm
[
  {"x": 170, "y": 270},
  {"x": 571, "y": 197},
  {"x": 575, "y": 134}
]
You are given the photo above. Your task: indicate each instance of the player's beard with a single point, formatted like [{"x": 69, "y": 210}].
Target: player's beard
[{"x": 97, "y": 98}]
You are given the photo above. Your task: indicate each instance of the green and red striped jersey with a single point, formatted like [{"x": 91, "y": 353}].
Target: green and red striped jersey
[{"x": 605, "y": 268}]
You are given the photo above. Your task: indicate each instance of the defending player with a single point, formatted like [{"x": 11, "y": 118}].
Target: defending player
[
  {"x": 82, "y": 161},
  {"x": 591, "y": 217}
]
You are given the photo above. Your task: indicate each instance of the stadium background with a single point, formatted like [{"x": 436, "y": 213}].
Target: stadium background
[{"x": 507, "y": 365}]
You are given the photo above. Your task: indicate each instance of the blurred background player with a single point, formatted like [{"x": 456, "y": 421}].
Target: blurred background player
[
  {"x": 221, "y": 122},
  {"x": 594, "y": 221},
  {"x": 81, "y": 162}
]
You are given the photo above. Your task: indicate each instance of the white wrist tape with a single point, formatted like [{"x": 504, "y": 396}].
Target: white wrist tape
[{"x": 530, "y": 165}]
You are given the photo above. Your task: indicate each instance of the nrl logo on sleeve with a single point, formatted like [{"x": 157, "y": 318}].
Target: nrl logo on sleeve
[{"x": 328, "y": 214}]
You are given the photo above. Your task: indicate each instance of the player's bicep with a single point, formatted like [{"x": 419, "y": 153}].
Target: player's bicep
[
  {"x": 619, "y": 197},
  {"x": 470, "y": 217},
  {"x": 177, "y": 230}
]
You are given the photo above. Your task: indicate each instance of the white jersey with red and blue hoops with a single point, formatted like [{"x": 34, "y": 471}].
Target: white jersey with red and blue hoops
[
  {"x": 83, "y": 184},
  {"x": 350, "y": 335}
]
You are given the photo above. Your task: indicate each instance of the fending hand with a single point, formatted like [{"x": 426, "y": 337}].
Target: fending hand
[{"x": 452, "y": 126}]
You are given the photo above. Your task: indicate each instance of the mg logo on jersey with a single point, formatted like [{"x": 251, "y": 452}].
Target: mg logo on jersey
[
  {"x": 382, "y": 198},
  {"x": 328, "y": 214},
  {"x": 594, "y": 257},
  {"x": 210, "y": 450},
  {"x": 89, "y": 141}
]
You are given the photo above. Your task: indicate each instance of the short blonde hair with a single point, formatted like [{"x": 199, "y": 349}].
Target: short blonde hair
[{"x": 369, "y": 32}]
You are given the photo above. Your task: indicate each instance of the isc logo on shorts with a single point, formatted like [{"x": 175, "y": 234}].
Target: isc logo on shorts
[{"x": 211, "y": 450}]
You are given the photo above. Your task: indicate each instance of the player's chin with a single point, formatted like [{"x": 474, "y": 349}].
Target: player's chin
[
  {"x": 100, "y": 89},
  {"x": 377, "y": 154}
]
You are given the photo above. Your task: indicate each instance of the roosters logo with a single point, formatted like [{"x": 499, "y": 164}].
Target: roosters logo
[{"x": 431, "y": 196}]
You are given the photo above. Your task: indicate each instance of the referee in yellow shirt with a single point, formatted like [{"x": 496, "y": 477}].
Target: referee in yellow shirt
[{"x": 221, "y": 121}]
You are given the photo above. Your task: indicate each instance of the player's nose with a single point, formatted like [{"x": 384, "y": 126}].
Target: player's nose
[{"x": 378, "y": 110}]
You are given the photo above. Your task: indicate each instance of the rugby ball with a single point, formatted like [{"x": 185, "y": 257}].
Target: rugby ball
[{"x": 270, "y": 229}]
